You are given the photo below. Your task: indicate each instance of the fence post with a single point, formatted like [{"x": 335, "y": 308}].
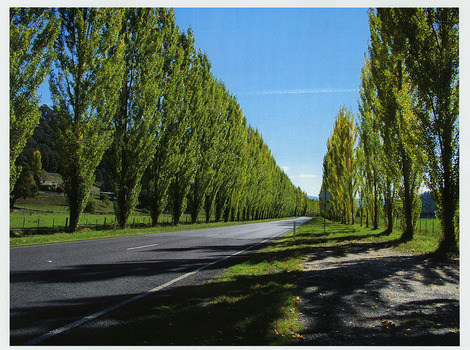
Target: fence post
[
  {"x": 294, "y": 229},
  {"x": 66, "y": 222},
  {"x": 24, "y": 221},
  {"x": 104, "y": 222},
  {"x": 53, "y": 223}
]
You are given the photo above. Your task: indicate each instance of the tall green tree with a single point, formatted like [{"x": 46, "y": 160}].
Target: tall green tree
[
  {"x": 339, "y": 167},
  {"x": 85, "y": 88},
  {"x": 399, "y": 126},
  {"x": 33, "y": 32},
  {"x": 186, "y": 109},
  {"x": 202, "y": 127},
  {"x": 220, "y": 152},
  {"x": 137, "y": 116},
  {"x": 431, "y": 39},
  {"x": 372, "y": 151},
  {"x": 161, "y": 170}
]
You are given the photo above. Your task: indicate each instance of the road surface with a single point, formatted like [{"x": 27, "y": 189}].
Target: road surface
[{"x": 56, "y": 288}]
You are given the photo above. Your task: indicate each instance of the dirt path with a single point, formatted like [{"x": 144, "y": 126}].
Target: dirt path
[{"x": 364, "y": 294}]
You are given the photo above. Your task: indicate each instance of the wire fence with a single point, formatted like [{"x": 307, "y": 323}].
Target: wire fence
[
  {"x": 57, "y": 222},
  {"x": 424, "y": 225}
]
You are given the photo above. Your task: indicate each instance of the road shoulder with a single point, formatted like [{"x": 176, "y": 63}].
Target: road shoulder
[{"x": 364, "y": 294}]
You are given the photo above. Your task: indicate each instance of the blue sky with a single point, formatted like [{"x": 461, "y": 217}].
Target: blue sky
[{"x": 291, "y": 70}]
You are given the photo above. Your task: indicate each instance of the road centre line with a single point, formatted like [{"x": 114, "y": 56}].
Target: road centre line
[
  {"x": 91, "y": 317},
  {"x": 143, "y": 246}
]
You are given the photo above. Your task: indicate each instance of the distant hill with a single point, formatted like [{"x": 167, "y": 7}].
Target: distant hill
[
  {"x": 43, "y": 139},
  {"x": 313, "y": 197},
  {"x": 429, "y": 207}
]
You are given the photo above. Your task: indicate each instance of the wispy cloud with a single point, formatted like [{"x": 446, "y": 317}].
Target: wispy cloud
[
  {"x": 307, "y": 176},
  {"x": 302, "y": 91},
  {"x": 285, "y": 168}
]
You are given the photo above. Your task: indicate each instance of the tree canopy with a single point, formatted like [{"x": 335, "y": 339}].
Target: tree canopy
[{"x": 134, "y": 96}]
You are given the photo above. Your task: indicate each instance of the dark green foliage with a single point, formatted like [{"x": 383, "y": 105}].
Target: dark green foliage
[
  {"x": 428, "y": 208},
  {"x": 137, "y": 117},
  {"x": 32, "y": 35},
  {"x": 410, "y": 116},
  {"x": 85, "y": 86},
  {"x": 25, "y": 186},
  {"x": 43, "y": 139},
  {"x": 90, "y": 207}
]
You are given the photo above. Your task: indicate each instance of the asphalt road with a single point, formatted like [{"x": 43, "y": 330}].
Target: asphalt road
[{"x": 58, "y": 288}]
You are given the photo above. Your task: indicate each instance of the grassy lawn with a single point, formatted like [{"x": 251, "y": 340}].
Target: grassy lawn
[{"x": 254, "y": 302}]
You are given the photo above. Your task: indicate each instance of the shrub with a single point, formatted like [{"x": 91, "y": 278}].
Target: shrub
[
  {"x": 105, "y": 199},
  {"x": 90, "y": 206}
]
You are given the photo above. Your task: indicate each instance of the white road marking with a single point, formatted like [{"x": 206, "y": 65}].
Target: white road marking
[
  {"x": 91, "y": 317},
  {"x": 215, "y": 234},
  {"x": 143, "y": 246}
]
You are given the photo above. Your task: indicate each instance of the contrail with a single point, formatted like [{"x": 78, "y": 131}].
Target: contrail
[{"x": 302, "y": 91}]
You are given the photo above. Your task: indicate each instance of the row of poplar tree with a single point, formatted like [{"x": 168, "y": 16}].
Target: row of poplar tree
[
  {"x": 407, "y": 134},
  {"x": 128, "y": 84}
]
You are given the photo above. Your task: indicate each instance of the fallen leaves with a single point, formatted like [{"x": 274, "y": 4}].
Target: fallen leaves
[{"x": 388, "y": 324}]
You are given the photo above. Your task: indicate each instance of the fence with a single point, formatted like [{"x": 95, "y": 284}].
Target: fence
[
  {"x": 55, "y": 222},
  {"x": 424, "y": 225}
]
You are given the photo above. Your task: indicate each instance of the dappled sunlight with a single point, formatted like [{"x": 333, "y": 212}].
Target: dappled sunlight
[{"x": 364, "y": 293}]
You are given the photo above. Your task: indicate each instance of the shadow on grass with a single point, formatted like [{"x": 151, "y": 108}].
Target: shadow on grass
[{"x": 238, "y": 310}]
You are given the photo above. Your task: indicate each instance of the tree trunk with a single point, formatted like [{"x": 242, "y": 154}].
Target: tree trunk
[
  {"x": 408, "y": 202},
  {"x": 449, "y": 243},
  {"x": 375, "y": 218},
  {"x": 154, "y": 215}
]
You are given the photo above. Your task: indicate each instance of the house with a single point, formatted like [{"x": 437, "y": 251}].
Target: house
[{"x": 95, "y": 190}]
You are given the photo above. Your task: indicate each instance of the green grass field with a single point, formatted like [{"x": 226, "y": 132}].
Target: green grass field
[{"x": 48, "y": 213}]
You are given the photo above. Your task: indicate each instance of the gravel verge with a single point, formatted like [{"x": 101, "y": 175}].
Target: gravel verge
[{"x": 368, "y": 294}]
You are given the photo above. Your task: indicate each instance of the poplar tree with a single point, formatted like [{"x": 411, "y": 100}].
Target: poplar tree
[
  {"x": 399, "y": 127},
  {"x": 218, "y": 127},
  {"x": 431, "y": 39},
  {"x": 85, "y": 86},
  {"x": 202, "y": 129},
  {"x": 183, "y": 112},
  {"x": 137, "y": 117},
  {"x": 371, "y": 146},
  {"x": 228, "y": 179},
  {"x": 339, "y": 167},
  {"x": 33, "y": 32},
  {"x": 162, "y": 168}
]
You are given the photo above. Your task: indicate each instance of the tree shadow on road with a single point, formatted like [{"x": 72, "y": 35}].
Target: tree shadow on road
[{"x": 350, "y": 295}]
